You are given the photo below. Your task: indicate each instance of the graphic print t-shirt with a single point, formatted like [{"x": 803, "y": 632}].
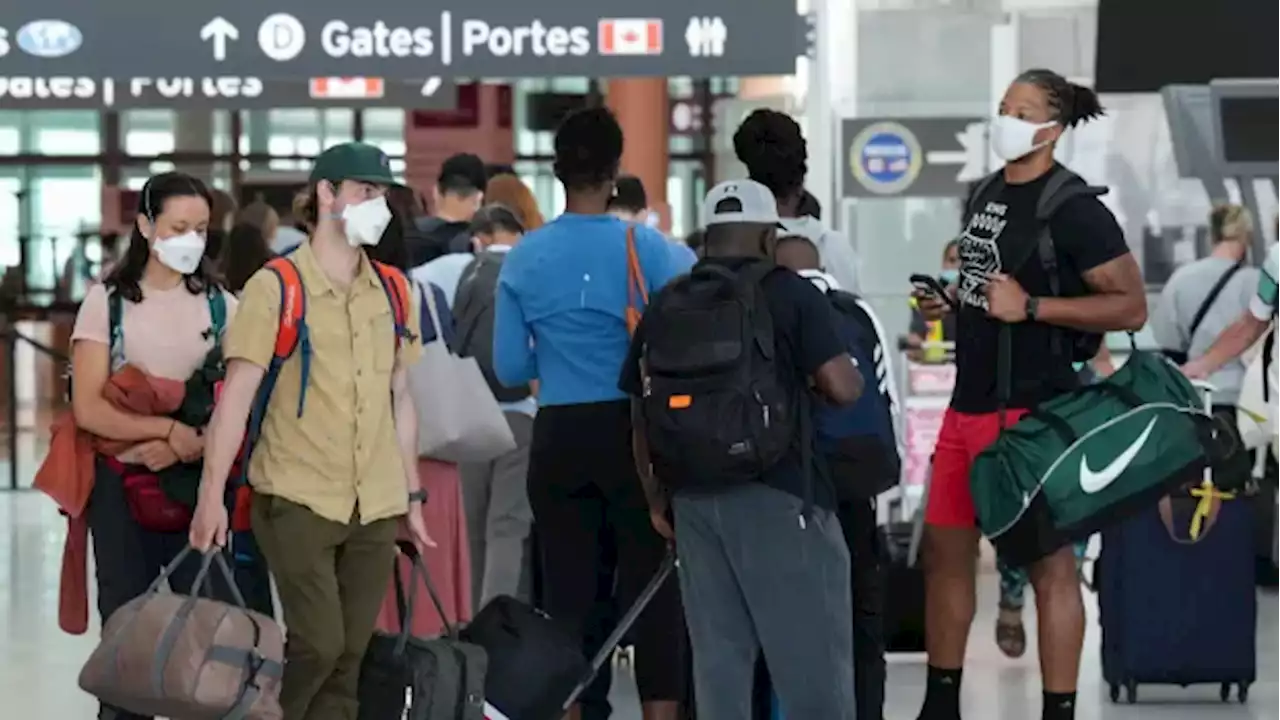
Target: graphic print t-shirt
[{"x": 1002, "y": 237}]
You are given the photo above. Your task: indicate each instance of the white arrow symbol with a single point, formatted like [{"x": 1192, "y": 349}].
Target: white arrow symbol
[
  {"x": 973, "y": 140},
  {"x": 219, "y": 30},
  {"x": 430, "y": 87}
]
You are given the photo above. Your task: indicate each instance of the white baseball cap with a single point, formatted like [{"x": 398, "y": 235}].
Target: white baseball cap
[{"x": 740, "y": 201}]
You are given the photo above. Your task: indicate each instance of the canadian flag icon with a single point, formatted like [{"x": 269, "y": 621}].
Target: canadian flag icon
[
  {"x": 630, "y": 36},
  {"x": 368, "y": 88}
]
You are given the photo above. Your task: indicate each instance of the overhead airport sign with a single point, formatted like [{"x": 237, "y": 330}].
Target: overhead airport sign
[
  {"x": 223, "y": 92},
  {"x": 398, "y": 39},
  {"x": 912, "y": 157}
]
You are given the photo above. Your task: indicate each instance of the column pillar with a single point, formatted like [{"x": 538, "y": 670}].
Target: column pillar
[
  {"x": 431, "y": 138},
  {"x": 193, "y": 133},
  {"x": 642, "y": 107}
]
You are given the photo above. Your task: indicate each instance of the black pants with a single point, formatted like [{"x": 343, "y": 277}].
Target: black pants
[
  {"x": 583, "y": 489},
  {"x": 866, "y": 552},
  {"x": 128, "y": 558}
]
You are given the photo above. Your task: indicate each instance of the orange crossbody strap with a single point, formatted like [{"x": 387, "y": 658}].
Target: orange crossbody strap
[{"x": 636, "y": 285}]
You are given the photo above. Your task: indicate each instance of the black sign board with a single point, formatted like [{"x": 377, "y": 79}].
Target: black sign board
[{"x": 395, "y": 39}]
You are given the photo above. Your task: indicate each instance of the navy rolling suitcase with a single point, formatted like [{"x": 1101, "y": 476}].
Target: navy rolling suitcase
[{"x": 1176, "y": 611}]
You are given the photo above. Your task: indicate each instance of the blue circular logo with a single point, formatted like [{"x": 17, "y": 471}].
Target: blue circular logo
[{"x": 885, "y": 158}]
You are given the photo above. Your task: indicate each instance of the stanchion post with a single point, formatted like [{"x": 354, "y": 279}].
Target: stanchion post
[{"x": 11, "y": 371}]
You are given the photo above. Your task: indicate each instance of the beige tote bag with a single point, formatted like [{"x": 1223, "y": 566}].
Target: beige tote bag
[{"x": 458, "y": 418}]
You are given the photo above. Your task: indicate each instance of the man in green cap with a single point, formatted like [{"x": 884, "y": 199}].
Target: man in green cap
[{"x": 332, "y": 480}]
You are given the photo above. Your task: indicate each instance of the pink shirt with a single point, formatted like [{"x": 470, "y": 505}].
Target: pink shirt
[{"x": 163, "y": 334}]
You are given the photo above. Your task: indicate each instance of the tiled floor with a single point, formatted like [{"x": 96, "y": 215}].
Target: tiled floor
[{"x": 39, "y": 664}]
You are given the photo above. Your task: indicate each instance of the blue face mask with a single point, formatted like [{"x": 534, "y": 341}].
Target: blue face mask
[{"x": 949, "y": 277}]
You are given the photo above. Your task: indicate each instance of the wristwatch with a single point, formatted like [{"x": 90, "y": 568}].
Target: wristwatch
[
  {"x": 1033, "y": 308},
  {"x": 418, "y": 496}
]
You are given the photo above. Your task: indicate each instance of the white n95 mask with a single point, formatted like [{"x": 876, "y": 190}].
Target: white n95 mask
[
  {"x": 366, "y": 221},
  {"x": 181, "y": 253},
  {"x": 1013, "y": 138}
]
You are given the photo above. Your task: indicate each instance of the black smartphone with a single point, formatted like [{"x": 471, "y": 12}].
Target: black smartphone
[{"x": 929, "y": 285}]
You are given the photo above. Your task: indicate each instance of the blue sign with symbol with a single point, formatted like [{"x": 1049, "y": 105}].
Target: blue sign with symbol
[{"x": 886, "y": 158}]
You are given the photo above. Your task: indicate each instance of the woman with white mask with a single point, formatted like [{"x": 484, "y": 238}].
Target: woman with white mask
[
  {"x": 334, "y": 470},
  {"x": 160, "y": 310}
]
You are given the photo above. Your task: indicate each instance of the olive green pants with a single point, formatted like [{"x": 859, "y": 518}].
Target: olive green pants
[{"x": 332, "y": 578}]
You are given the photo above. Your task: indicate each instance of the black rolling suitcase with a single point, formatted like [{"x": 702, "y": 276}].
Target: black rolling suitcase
[
  {"x": 402, "y": 676},
  {"x": 536, "y": 667},
  {"x": 904, "y": 577}
]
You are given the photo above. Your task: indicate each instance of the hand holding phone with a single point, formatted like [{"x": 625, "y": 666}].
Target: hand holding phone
[{"x": 928, "y": 286}]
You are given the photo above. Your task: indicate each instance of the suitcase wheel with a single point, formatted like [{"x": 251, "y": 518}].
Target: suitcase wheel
[
  {"x": 1131, "y": 692},
  {"x": 1242, "y": 692}
]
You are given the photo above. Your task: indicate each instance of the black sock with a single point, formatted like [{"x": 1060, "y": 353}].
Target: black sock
[
  {"x": 942, "y": 695},
  {"x": 1059, "y": 706}
]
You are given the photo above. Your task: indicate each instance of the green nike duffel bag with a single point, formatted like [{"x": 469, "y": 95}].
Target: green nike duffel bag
[{"x": 1084, "y": 460}]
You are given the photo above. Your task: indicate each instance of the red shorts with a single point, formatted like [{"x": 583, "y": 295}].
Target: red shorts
[{"x": 962, "y": 437}]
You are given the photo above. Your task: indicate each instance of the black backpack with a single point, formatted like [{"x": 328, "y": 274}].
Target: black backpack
[
  {"x": 1063, "y": 185},
  {"x": 473, "y": 321},
  {"x": 716, "y": 412}
]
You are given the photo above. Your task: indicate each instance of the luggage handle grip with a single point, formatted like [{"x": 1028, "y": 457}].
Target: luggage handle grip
[
  {"x": 404, "y": 605},
  {"x": 210, "y": 557}
]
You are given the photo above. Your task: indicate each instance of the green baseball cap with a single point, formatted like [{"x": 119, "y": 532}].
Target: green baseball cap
[{"x": 353, "y": 161}]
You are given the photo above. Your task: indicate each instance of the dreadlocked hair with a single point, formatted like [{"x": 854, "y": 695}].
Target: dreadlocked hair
[
  {"x": 770, "y": 144},
  {"x": 588, "y": 148},
  {"x": 1072, "y": 104}
]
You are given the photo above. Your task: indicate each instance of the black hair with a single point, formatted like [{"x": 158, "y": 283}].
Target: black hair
[
  {"x": 809, "y": 206},
  {"x": 462, "y": 174},
  {"x": 246, "y": 253},
  {"x": 588, "y": 149},
  {"x": 628, "y": 194},
  {"x": 126, "y": 275},
  {"x": 494, "y": 217},
  {"x": 1072, "y": 104},
  {"x": 770, "y": 144},
  {"x": 802, "y": 240},
  {"x": 695, "y": 240}
]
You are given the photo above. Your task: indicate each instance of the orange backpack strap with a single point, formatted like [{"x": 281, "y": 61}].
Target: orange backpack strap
[
  {"x": 637, "y": 289},
  {"x": 291, "y": 337},
  {"x": 396, "y": 285}
]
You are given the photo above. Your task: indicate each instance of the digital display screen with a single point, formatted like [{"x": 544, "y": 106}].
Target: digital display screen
[
  {"x": 1250, "y": 129},
  {"x": 1144, "y": 45}
]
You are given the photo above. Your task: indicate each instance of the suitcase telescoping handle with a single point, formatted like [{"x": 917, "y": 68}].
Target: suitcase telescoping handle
[{"x": 606, "y": 650}]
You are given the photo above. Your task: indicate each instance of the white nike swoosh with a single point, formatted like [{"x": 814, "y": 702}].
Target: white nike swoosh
[{"x": 1092, "y": 482}]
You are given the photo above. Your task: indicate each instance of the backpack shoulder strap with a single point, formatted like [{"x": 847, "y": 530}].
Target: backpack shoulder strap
[
  {"x": 396, "y": 285},
  {"x": 1209, "y": 299},
  {"x": 981, "y": 190},
  {"x": 115, "y": 328},
  {"x": 291, "y": 337},
  {"x": 1064, "y": 185},
  {"x": 217, "y": 312},
  {"x": 291, "y": 331}
]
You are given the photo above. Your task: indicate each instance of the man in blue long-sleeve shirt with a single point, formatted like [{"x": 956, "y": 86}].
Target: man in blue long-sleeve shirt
[{"x": 561, "y": 319}]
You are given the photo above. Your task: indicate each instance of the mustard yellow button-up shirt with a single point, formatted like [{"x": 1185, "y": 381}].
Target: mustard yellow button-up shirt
[{"x": 341, "y": 457}]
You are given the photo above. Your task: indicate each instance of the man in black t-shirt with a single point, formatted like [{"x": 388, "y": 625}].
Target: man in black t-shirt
[
  {"x": 1002, "y": 282},
  {"x": 756, "y": 572}
]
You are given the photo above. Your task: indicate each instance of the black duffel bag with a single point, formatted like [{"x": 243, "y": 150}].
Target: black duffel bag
[{"x": 437, "y": 679}]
